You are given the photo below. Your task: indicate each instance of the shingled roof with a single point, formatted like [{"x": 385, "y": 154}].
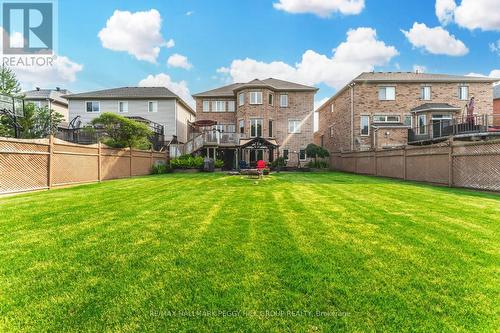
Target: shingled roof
[
  {"x": 274, "y": 84},
  {"x": 126, "y": 92},
  {"x": 44, "y": 94},
  {"x": 419, "y": 77}
]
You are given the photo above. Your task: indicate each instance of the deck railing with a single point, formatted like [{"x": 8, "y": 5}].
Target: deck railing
[{"x": 462, "y": 125}]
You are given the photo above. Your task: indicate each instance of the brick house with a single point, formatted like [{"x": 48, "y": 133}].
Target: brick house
[
  {"x": 379, "y": 110},
  {"x": 496, "y": 103},
  {"x": 260, "y": 119}
]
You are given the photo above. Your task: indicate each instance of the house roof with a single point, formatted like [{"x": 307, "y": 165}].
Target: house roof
[
  {"x": 131, "y": 93},
  {"x": 418, "y": 77},
  {"x": 435, "y": 107},
  {"x": 274, "y": 84},
  {"x": 44, "y": 94},
  {"x": 496, "y": 92}
]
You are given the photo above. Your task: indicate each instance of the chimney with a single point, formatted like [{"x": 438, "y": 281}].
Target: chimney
[
  {"x": 37, "y": 88},
  {"x": 58, "y": 89}
]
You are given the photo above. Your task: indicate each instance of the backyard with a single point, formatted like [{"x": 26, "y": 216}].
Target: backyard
[{"x": 292, "y": 252}]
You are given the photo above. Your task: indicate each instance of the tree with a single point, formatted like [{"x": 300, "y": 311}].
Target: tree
[
  {"x": 123, "y": 132},
  {"x": 9, "y": 85},
  {"x": 39, "y": 122},
  {"x": 315, "y": 151}
]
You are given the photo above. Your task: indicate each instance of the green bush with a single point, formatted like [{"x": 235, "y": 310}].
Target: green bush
[
  {"x": 187, "y": 162},
  {"x": 318, "y": 164},
  {"x": 159, "y": 169},
  {"x": 279, "y": 162},
  {"x": 219, "y": 163}
]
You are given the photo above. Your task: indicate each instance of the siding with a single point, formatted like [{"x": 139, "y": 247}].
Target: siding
[{"x": 183, "y": 116}]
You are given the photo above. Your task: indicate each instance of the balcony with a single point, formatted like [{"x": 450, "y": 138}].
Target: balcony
[{"x": 458, "y": 127}]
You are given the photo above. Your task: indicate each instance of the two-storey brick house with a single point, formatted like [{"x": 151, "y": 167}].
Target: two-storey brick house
[
  {"x": 261, "y": 119},
  {"x": 379, "y": 110}
]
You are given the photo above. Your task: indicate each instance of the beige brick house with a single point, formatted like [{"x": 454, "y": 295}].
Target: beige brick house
[
  {"x": 260, "y": 119},
  {"x": 377, "y": 109}
]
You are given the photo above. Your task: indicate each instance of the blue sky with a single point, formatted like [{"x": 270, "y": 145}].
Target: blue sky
[{"x": 212, "y": 34}]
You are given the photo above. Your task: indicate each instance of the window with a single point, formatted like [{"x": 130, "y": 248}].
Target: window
[
  {"x": 123, "y": 107},
  {"x": 332, "y": 107},
  {"x": 408, "y": 121},
  {"x": 256, "y": 97},
  {"x": 284, "y": 101},
  {"x": 302, "y": 155},
  {"x": 218, "y": 106},
  {"x": 365, "y": 125},
  {"x": 230, "y": 128},
  {"x": 230, "y": 106},
  {"x": 255, "y": 127},
  {"x": 38, "y": 104},
  {"x": 241, "y": 99},
  {"x": 152, "y": 106},
  {"x": 242, "y": 126},
  {"x": 463, "y": 92},
  {"x": 293, "y": 126},
  {"x": 93, "y": 106},
  {"x": 387, "y": 93},
  {"x": 331, "y": 132},
  {"x": 385, "y": 119},
  {"x": 271, "y": 99},
  {"x": 421, "y": 124},
  {"x": 426, "y": 93},
  {"x": 285, "y": 154},
  {"x": 270, "y": 128},
  {"x": 206, "y": 106}
]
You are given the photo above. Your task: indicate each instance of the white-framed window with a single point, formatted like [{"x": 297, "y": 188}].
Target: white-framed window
[
  {"x": 123, "y": 106},
  {"x": 242, "y": 126},
  {"x": 386, "y": 119},
  {"x": 230, "y": 128},
  {"x": 286, "y": 154},
  {"x": 256, "y": 97},
  {"x": 206, "y": 106},
  {"x": 332, "y": 107},
  {"x": 284, "y": 100},
  {"x": 230, "y": 106},
  {"x": 218, "y": 106},
  {"x": 331, "y": 131},
  {"x": 241, "y": 99},
  {"x": 271, "y": 99},
  {"x": 302, "y": 155},
  {"x": 365, "y": 125},
  {"x": 463, "y": 92},
  {"x": 408, "y": 120},
  {"x": 387, "y": 93},
  {"x": 425, "y": 93},
  {"x": 294, "y": 126},
  {"x": 153, "y": 106},
  {"x": 422, "y": 122},
  {"x": 93, "y": 106},
  {"x": 256, "y": 127}
]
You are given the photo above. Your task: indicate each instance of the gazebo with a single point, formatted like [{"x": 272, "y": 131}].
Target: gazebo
[{"x": 257, "y": 144}]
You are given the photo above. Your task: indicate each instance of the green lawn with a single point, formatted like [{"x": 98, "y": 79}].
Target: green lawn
[{"x": 208, "y": 252}]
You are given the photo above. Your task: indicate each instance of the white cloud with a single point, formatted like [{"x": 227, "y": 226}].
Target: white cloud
[
  {"x": 136, "y": 33},
  {"x": 321, "y": 8},
  {"x": 494, "y": 74},
  {"x": 470, "y": 14},
  {"x": 179, "y": 61},
  {"x": 435, "y": 40},
  {"x": 189, "y": 13},
  {"x": 495, "y": 47},
  {"x": 170, "y": 43},
  {"x": 419, "y": 68},
  {"x": 359, "y": 53},
  {"x": 164, "y": 80}
]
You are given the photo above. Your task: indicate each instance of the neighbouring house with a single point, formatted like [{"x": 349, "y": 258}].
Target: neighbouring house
[
  {"x": 242, "y": 123},
  {"x": 496, "y": 104},
  {"x": 51, "y": 98},
  {"x": 379, "y": 110},
  {"x": 159, "y": 107}
]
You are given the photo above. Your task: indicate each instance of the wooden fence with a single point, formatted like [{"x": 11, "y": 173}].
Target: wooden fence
[
  {"x": 27, "y": 165},
  {"x": 459, "y": 164}
]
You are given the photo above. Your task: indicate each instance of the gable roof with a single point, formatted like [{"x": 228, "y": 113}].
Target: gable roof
[
  {"x": 274, "y": 84},
  {"x": 496, "y": 92},
  {"x": 44, "y": 94},
  {"x": 436, "y": 107},
  {"x": 418, "y": 77},
  {"x": 131, "y": 93}
]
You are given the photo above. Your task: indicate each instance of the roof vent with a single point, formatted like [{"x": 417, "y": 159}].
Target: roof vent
[
  {"x": 37, "y": 88},
  {"x": 58, "y": 89}
]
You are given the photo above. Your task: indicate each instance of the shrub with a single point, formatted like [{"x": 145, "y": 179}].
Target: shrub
[
  {"x": 219, "y": 163},
  {"x": 121, "y": 131},
  {"x": 266, "y": 171},
  {"x": 279, "y": 162},
  {"x": 187, "y": 162},
  {"x": 318, "y": 164},
  {"x": 159, "y": 169}
]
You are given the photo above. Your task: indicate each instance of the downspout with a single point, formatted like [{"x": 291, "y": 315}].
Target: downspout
[{"x": 351, "y": 86}]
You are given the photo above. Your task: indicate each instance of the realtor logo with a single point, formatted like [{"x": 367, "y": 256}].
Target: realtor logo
[{"x": 28, "y": 27}]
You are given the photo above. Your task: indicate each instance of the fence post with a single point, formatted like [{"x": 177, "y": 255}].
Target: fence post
[
  {"x": 404, "y": 162},
  {"x": 99, "y": 162},
  {"x": 50, "y": 161},
  {"x": 150, "y": 157},
  {"x": 450, "y": 164},
  {"x": 375, "y": 161},
  {"x": 131, "y": 156}
]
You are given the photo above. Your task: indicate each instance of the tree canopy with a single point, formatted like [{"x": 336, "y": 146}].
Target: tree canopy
[{"x": 122, "y": 132}]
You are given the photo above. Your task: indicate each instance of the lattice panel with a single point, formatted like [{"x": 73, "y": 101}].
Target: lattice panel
[
  {"x": 23, "y": 147},
  {"x": 479, "y": 169},
  {"x": 23, "y": 172},
  {"x": 67, "y": 169}
]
